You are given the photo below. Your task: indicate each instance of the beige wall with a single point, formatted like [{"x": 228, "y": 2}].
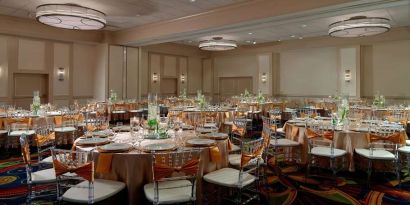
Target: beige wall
[
  {"x": 189, "y": 62},
  {"x": 316, "y": 66},
  {"x": 387, "y": 69},
  {"x": 30, "y": 57},
  {"x": 4, "y": 92}
]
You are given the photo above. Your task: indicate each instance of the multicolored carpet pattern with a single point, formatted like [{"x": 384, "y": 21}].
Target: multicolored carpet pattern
[{"x": 291, "y": 187}]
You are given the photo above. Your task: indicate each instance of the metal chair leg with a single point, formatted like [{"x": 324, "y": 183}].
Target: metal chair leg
[{"x": 369, "y": 172}]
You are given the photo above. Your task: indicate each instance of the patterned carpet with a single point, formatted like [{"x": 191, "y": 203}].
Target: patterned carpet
[{"x": 291, "y": 188}]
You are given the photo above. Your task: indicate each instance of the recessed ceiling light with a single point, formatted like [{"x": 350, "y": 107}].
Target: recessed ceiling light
[
  {"x": 292, "y": 36},
  {"x": 192, "y": 0},
  {"x": 303, "y": 25},
  {"x": 250, "y": 33},
  {"x": 300, "y": 37}
]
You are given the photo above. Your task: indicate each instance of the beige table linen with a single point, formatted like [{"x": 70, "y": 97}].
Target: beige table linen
[
  {"x": 345, "y": 140},
  {"x": 134, "y": 168}
]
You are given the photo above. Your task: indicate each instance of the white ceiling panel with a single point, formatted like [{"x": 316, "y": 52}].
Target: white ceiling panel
[
  {"x": 122, "y": 13},
  {"x": 399, "y": 16}
]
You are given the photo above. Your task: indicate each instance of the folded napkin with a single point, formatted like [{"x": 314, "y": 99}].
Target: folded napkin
[
  {"x": 104, "y": 163},
  {"x": 215, "y": 154}
]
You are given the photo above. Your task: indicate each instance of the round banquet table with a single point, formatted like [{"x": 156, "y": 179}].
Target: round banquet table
[
  {"x": 345, "y": 140},
  {"x": 135, "y": 167}
]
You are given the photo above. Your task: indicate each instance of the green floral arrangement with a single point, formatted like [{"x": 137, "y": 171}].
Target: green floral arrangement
[
  {"x": 152, "y": 123},
  {"x": 183, "y": 94},
  {"x": 260, "y": 98},
  {"x": 379, "y": 100},
  {"x": 113, "y": 96},
  {"x": 247, "y": 94},
  {"x": 343, "y": 110},
  {"x": 201, "y": 100}
]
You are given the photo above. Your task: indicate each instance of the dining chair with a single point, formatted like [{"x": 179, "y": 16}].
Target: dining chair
[
  {"x": 238, "y": 131},
  {"x": 277, "y": 145},
  {"x": 321, "y": 145},
  {"x": 246, "y": 177},
  {"x": 35, "y": 178},
  {"x": 174, "y": 177},
  {"x": 74, "y": 171},
  {"x": 45, "y": 140},
  {"x": 384, "y": 144}
]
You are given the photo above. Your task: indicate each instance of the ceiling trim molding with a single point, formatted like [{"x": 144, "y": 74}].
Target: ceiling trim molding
[
  {"x": 229, "y": 15},
  {"x": 259, "y": 13}
]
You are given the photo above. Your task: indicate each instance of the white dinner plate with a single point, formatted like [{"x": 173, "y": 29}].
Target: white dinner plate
[
  {"x": 200, "y": 142},
  {"x": 123, "y": 128},
  {"x": 206, "y": 130},
  {"x": 64, "y": 129},
  {"x": 93, "y": 141},
  {"x": 115, "y": 147},
  {"x": 160, "y": 147},
  {"x": 216, "y": 136}
]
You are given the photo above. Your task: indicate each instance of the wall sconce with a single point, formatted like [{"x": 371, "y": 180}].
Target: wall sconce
[
  {"x": 264, "y": 78},
  {"x": 154, "y": 77},
  {"x": 348, "y": 75},
  {"x": 60, "y": 74},
  {"x": 182, "y": 78}
]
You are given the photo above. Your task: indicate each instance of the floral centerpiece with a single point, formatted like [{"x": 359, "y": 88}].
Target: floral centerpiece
[
  {"x": 183, "y": 94},
  {"x": 113, "y": 96},
  {"x": 35, "y": 106},
  {"x": 343, "y": 111},
  {"x": 201, "y": 100},
  {"x": 260, "y": 98},
  {"x": 246, "y": 96},
  {"x": 379, "y": 100}
]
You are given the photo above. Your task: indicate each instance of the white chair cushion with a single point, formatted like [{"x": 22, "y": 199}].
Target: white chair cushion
[
  {"x": 49, "y": 159},
  {"x": 135, "y": 111},
  {"x": 377, "y": 154},
  {"x": 235, "y": 160},
  {"x": 229, "y": 177},
  {"x": 43, "y": 176},
  {"x": 3, "y": 132},
  {"x": 326, "y": 152},
  {"x": 280, "y": 130},
  {"x": 284, "y": 143},
  {"x": 20, "y": 132},
  {"x": 103, "y": 189},
  {"x": 170, "y": 192},
  {"x": 235, "y": 148},
  {"x": 405, "y": 149},
  {"x": 64, "y": 129},
  {"x": 408, "y": 142},
  {"x": 119, "y": 111}
]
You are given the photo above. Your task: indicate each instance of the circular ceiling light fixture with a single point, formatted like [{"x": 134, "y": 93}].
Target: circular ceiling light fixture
[
  {"x": 70, "y": 16},
  {"x": 217, "y": 44},
  {"x": 359, "y": 26}
]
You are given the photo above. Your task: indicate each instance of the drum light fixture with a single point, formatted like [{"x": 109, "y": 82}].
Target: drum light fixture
[
  {"x": 217, "y": 44},
  {"x": 359, "y": 26}
]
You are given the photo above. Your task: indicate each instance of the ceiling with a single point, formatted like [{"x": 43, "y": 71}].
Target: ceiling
[
  {"x": 309, "y": 26},
  {"x": 122, "y": 14}
]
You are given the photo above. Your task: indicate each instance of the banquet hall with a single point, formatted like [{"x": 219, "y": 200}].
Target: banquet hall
[{"x": 205, "y": 102}]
